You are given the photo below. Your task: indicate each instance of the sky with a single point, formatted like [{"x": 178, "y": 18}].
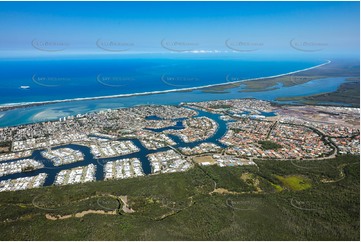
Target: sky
[{"x": 34, "y": 29}]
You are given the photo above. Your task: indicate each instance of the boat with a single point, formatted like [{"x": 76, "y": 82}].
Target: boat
[{"x": 24, "y": 87}]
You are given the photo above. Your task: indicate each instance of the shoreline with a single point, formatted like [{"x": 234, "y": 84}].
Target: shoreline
[{"x": 10, "y": 106}]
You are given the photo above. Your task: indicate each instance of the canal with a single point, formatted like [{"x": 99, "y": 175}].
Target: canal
[{"x": 52, "y": 170}]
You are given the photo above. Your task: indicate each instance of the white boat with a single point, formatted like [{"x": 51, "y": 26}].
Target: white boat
[{"x": 24, "y": 87}]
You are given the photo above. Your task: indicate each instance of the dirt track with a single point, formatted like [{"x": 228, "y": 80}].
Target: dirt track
[{"x": 79, "y": 215}]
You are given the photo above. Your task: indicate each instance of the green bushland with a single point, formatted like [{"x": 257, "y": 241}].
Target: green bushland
[
  {"x": 179, "y": 206},
  {"x": 287, "y": 81},
  {"x": 5, "y": 147},
  {"x": 348, "y": 92},
  {"x": 220, "y": 88},
  {"x": 269, "y": 145}
]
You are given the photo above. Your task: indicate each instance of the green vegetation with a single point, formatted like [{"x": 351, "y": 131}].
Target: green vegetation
[
  {"x": 269, "y": 145},
  {"x": 295, "y": 183},
  {"x": 348, "y": 92},
  {"x": 337, "y": 68},
  {"x": 278, "y": 188},
  {"x": 181, "y": 206},
  {"x": 215, "y": 91},
  {"x": 5, "y": 147},
  {"x": 220, "y": 88},
  {"x": 263, "y": 84},
  {"x": 287, "y": 81},
  {"x": 27, "y": 169}
]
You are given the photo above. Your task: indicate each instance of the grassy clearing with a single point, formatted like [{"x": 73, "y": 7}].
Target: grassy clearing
[
  {"x": 201, "y": 159},
  {"x": 278, "y": 188},
  {"x": 295, "y": 183}
]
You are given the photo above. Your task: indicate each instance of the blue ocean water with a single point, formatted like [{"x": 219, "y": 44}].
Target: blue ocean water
[
  {"x": 55, "y": 111},
  {"x": 79, "y": 78},
  {"x": 47, "y": 79}
]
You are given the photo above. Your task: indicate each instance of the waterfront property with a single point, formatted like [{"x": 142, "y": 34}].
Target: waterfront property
[
  {"x": 15, "y": 155},
  {"x": 201, "y": 149},
  {"x": 196, "y": 129},
  {"x": 113, "y": 148},
  {"x": 24, "y": 165},
  {"x": 154, "y": 141},
  {"x": 76, "y": 175},
  {"x": 123, "y": 168},
  {"x": 168, "y": 162},
  {"x": 63, "y": 156},
  {"x": 23, "y": 183}
]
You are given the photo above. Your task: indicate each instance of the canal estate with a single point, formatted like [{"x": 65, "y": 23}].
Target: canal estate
[{"x": 144, "y": 140}]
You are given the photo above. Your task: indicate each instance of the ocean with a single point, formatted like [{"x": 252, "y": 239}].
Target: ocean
[
  {"x": 37, "y": 80},
  {"x": 27, "y": 80}
]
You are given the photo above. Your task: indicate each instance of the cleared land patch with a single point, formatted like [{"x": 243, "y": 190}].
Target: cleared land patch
[
  {"x": 295, "y": 182},
  {"x": 204, "y": 159}
]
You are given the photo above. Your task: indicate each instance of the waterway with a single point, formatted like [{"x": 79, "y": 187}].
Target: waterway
[
  {"x": 55, "y": 111},
  {"x": 52, "y": 170}
]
